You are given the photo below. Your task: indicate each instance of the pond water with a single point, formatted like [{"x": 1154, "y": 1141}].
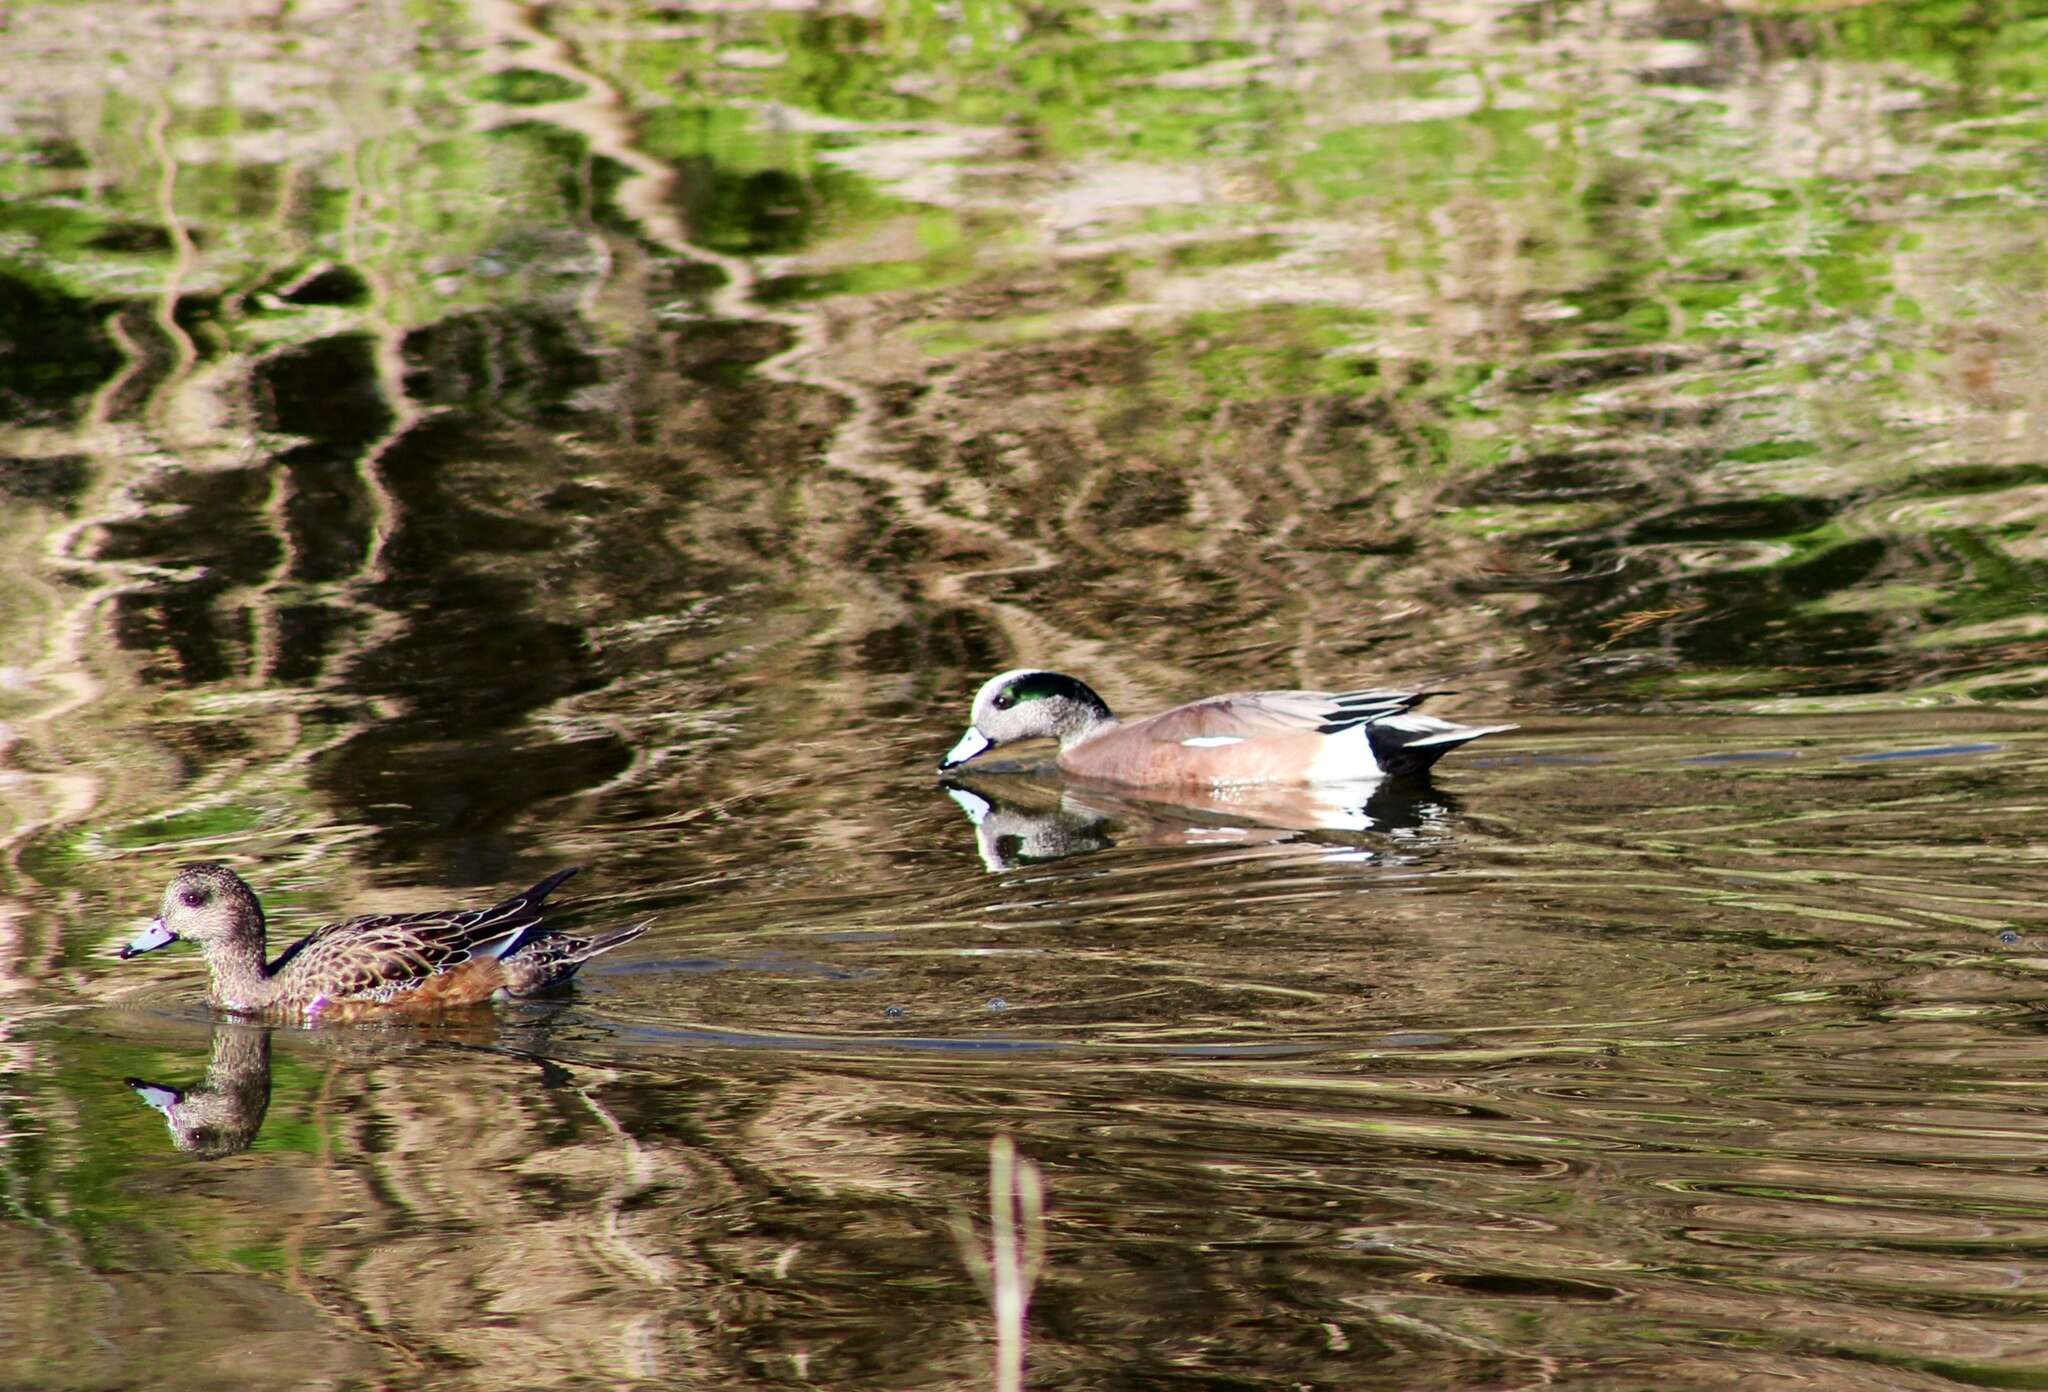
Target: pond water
[{"x": 444, "y": 442}]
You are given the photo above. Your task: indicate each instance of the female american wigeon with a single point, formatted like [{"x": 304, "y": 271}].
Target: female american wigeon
[
  {"x": 1244, "y": 737},
  {"x": 221, "y": 1115},
  {"x": 373, "y": 962}
]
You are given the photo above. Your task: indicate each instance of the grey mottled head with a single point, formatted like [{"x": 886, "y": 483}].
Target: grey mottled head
[
  {"x": 1028, "y": 704},
  {"x": 205, "y": 903}
]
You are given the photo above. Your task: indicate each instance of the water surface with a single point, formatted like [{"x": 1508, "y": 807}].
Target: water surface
[{"x": 443, "y": 443}]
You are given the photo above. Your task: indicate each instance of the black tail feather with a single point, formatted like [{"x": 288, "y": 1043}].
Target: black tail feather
[
  {"x": 1407, "y": 750},
  {"x": 547, "y": 886},
  {"x": 1362, "y": 707},
  {"x": 527, "y": 908}
]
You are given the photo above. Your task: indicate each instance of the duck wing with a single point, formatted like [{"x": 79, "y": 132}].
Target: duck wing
[
  {"x": 375, "y": 955},
  {"x": 1252, "y": 714}
]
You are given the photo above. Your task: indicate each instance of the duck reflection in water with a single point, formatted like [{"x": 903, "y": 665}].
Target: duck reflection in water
[
  {"x": 221, "y": 1114},
  {"x": 1022, "y": 819}
]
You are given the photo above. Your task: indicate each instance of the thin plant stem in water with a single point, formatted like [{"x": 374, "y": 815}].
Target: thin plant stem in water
[{"x": 1008, "y": 1270}]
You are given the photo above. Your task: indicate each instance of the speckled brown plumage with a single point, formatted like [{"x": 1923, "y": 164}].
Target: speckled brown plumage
[{"x": 420, "y": 961}]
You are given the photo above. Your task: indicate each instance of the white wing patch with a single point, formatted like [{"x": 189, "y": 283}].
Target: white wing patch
[{"x": 1211, "y": 741}]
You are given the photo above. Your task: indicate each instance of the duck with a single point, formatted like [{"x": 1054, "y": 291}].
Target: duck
[
  {"x": 1241, "y": 738},
  {"x": 371, "y": 963}
]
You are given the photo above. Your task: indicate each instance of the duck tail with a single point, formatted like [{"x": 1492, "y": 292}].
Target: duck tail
[
  {"x": 608, "y": 941},
  {"x": 548, "y": 886},
  {"x": 1407, "y": 743},
  {"x": 546, "y": 963},
  {"x": 512, "y": 924}
]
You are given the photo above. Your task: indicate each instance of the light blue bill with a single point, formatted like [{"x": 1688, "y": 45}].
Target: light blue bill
[
  {"x": 149, "y": 940},
  {"x": 971, "y": 744}
]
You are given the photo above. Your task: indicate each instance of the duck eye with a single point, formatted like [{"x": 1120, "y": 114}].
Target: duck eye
[
  {"x": 192, "y": 898},
  {"x": 1004, "y": 700}
]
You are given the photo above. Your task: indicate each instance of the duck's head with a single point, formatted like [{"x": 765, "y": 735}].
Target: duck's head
[
  {"x": 207, "y": 904},
  {"x": 1027, "y": 704}
]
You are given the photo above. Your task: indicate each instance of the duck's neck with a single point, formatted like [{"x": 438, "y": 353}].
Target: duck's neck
[
  {"x": 1080, "y": 715},
  {"x": 240, "y": 980},
  {"x": 1095, "y": 726}
]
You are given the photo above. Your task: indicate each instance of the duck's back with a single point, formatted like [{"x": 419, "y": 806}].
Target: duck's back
[{"x": 451, "y": 956}]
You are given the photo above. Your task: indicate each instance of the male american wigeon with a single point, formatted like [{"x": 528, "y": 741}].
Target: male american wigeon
[
  {"x": 373, "y": 962},
  {"x": 1244, "y": 737}
]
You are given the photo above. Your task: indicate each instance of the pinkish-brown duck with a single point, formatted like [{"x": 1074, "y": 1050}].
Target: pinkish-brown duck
[
  {"x": 371, "y": 963},
  {"x": 1246, "y": 737}
]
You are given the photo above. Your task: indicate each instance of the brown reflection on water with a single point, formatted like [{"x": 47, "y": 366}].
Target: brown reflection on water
[
  {"x": 221, "y": 1114},
  {"x": 1023, "y": 819},
  {"x": 1631, "y": 1064},
  {"x": 469, "y": 440}
]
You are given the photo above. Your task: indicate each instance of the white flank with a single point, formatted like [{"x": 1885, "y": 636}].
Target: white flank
[
  {"x": 1344, "y": 756},
  {"x": 1211, "y": 741}
]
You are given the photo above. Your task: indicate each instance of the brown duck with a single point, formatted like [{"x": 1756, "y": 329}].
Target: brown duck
[{"x": 373, "y": 962}]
